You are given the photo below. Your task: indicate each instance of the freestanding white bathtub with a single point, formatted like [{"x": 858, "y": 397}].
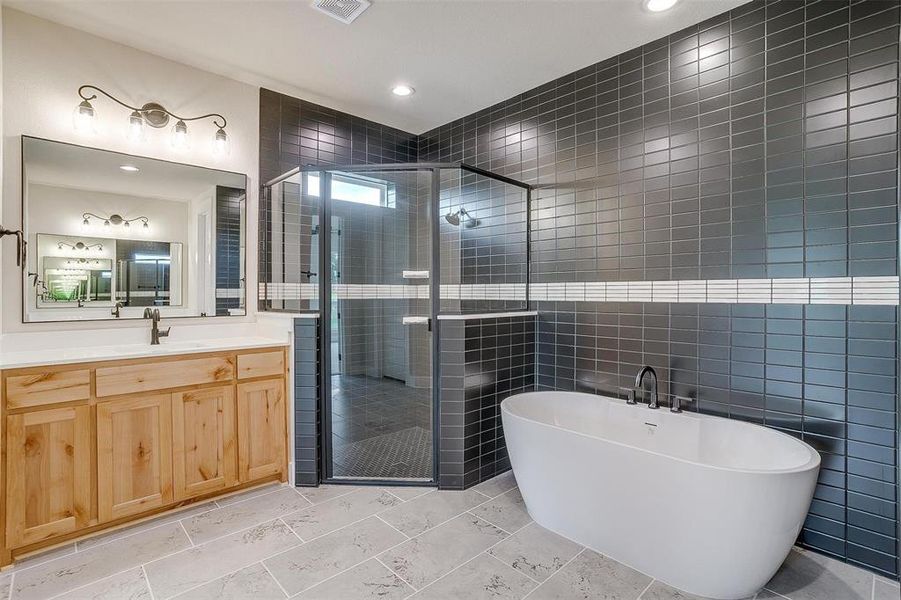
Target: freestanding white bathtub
[{"x": 708, "y": 505}]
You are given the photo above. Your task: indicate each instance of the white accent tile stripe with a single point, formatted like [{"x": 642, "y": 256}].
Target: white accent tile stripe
[{"x": 816, "y": 290}]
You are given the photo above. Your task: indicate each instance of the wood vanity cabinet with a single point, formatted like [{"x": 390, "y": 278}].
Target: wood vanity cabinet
[
  {"x": 205, "y": 445},
  {"x": 92, "y": 446}
]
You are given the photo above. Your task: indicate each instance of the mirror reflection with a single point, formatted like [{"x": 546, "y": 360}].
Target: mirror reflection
[{"x": 110, "y": 234}]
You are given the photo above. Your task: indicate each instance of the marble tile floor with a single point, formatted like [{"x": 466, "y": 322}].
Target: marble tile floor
[{"x": 349, "y": 543}]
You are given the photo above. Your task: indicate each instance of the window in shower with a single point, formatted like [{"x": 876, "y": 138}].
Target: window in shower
[{"x": 359, "y": 189}]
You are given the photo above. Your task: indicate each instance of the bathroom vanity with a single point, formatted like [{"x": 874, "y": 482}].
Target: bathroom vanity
[{"x": 93, "y": 444}]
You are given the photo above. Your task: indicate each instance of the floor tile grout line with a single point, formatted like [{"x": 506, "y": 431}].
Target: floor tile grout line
[
  {"x": 379, "y": 517},
  {"x": 169, "y": 555},
  {"x": 277, "y": 582},
  {"x": 555, "y": 573},
  {"x": 646, "y": 588},
  {"x": 873, "y": 589},
  {"x": 408, "y": 539},
  {"x": 117, "y": 539},
  {"x": 185, "y": 529},
  {"x": 95, "y": 581},
  {"x": 147, "y": 582},
  {"x": 297, "y": 535},
  {"x": 281, "y": 519},
  {"x": 351, "y": 490},
  {"x": 12, "y": 586},
  {"x": 488, "y": 552},
  {"x": 766, "y": 589},
  {"x": 390, "y": 570},
  {"x": 483, "y": 551}
]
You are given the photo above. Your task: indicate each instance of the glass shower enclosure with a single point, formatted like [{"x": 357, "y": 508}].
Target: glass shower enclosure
[{"x": 379, "y": 251}]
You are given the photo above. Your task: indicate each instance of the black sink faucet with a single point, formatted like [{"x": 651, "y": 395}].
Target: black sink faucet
[{"x": 638, "y": 381}]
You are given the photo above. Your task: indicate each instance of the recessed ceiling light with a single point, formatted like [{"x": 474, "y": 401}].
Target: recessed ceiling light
[
  {"x": 129, "y": 168},
  {"x": 402, "y": 90},
  {"x": 659, "y": 5}
]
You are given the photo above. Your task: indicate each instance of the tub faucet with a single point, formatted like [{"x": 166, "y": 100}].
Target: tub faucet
[{"x": 638, "y": 381}]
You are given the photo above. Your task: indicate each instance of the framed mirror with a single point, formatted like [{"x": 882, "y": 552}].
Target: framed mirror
[{"x": 111, "y": 234}]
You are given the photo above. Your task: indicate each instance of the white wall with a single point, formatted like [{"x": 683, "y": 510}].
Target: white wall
[
  {"x": 59, "y": 211},
  {"x": 43, "y": 64}
]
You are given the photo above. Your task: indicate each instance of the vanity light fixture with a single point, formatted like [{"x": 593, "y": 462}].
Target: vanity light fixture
[
  {"x": 79, "y": 246},
  {"x": 402, "y": 90},
  {"x": 659, "y": 5},
  {"x": 150, "y": 114},
  {"x": 114, "y": 219}
]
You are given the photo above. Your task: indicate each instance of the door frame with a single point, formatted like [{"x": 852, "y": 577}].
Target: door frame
[{"x": 325, "y": 333}]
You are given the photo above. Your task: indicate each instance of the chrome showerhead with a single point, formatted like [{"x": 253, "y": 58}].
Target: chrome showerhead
[{"x": 454, "y": 218}]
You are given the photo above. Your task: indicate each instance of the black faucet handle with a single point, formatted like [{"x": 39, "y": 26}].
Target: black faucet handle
[{"x": 165, "y": 333}]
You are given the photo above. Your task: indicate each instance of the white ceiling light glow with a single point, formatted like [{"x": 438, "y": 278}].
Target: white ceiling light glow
[
  {"x": 129, "y": 168},
  {"x": 402, "y": 90},
  {"x": 659, "y": 5}
]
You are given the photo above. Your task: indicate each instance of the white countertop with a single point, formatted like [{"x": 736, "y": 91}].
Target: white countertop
[{"x": 13, "y": 359}]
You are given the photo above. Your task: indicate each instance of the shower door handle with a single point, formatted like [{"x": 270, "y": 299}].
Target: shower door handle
[{"x": 418, "y": 321}]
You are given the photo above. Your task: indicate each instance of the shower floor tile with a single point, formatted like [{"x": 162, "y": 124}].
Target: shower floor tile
[
  {"x": 471, "y": 549},
  {"x": 381, "y": 428}
]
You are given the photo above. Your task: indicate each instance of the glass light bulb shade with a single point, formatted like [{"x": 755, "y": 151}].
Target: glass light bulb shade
[
  {"x": 136, "y": 127},
  {"x": 220, "y": 143},
  {"x": 106, "y": 223},
  {"x": 659, "y": 5},
  {"x": 84, "y": 118},
  {"x": 127, "y": 224},
  {"x": 146, "y": 225},
  {"x": 180, "y": 135},
  {"x": 86, "y": 223}
]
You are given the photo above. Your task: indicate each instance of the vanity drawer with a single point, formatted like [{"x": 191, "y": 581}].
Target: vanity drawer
[
  {"x": 149, "y": 376},
  {"x": 47, "y": 387},
  {"x": 261, "y": 364}
]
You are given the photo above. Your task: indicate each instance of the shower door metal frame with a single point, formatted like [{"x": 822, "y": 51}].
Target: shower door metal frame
[{"x": 325, "y": 289}]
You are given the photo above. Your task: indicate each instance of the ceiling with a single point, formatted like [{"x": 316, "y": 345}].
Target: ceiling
[
  {"x": 66, "y": 165},
  {"x": 459, "y": 55}
]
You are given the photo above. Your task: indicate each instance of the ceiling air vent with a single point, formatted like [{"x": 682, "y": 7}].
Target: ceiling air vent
[{"x": 343, "y": 10}]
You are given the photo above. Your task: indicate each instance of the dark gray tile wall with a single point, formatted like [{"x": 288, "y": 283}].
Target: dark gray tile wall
[
  {"x": 483, "y": 361},
  {"x": 307, "y": 417},
  {"x": 762, "y": 143},
  {"x": 229, "y": 270},
  {"x": 294, "y": 133}
]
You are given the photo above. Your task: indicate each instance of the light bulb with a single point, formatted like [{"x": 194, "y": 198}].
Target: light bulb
[
  {"x": 86, "y": 223},
  {"x": 180, "y": 135},
  {"x": 402, "y": 90},
  {"x": 659, "y": 5},
  {"x": 127, "y": 224},
  {"x": 136, "y": 127},
  {"x": 106, "y": 223},
  {"x": 220, "y": 143},
  {"x": 83, "y": 118},
  {"x": 146, "y": 225}
]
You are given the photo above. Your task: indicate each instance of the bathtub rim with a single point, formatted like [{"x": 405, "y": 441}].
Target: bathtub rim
[{"x": 812, "y": 464}]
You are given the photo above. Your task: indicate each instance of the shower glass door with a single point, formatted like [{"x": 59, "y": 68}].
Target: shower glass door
[{"x": 377, "y": 316}]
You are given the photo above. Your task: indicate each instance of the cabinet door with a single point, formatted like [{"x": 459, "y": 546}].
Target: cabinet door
[
  {"x": 261, "y": 429},
  {"x": 205, "y": 448},
  {"x": 134, "y": 455},
  {"x": 48, "y": 473}
]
